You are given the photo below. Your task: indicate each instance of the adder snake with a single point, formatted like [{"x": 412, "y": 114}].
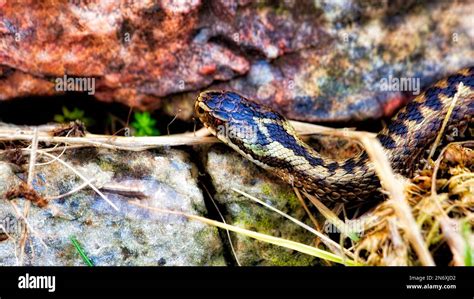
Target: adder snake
[{"x": 267, "y": 139}]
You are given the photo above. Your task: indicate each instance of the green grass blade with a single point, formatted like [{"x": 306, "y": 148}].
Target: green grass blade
[
  {"x": 81, "y": 251},
  {"x": 313, "y": 251}
]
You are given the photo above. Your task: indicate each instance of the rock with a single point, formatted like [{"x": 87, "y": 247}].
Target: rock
[
  {"x": 349, "y": 78},
  {"x": 345, "y": 11},
  {"x": 7, "y": 179},
  {"x": 141, "y": 51},
  {"x": 130, "y": 236},
  {"x": 230, "y": 170},
  {"x": 311, "y": 60}
]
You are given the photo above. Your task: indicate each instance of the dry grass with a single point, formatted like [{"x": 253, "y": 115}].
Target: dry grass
[
  {"x": 426, "y": 218},
  {"x": 439, "y": 217},
  {"x": 137, "y": 143}
]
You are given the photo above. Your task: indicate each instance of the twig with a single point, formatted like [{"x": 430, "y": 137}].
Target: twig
[
  {"x": 227, "y": 231},
  {"x": 82, "y": 177},
  {"x": 169, "y": 124},
  {"x": 31, "y": 166},
  {"x": 20, "y": 215},
  {"x": 124, "y": 190},
  {"x": 143, "y": 143},
  {"x": 256, "y": 235},
  {"x": 445, "y": 122},
  {"x": 115, "y": 142},
  {"x": 395, "y": 189},
  {"x": 14, "y": 242},
  {"x": 332, "y": 217},
  {"x": 303, "y": 128},
  {"x": 85, "y": 184},
  {"x": 454, "y": 240},
  {"x": 323, "y": 237},
  {"x": 308, "y": 212},
  {"x": 29, "y": 181},
  {"x": 62, "y": 153}
]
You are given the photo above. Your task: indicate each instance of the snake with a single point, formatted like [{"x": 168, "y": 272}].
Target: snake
[{"x": 266, "y": 138}]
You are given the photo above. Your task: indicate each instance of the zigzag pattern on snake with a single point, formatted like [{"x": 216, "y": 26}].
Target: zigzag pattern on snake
[{"x": 267, "y": 139}]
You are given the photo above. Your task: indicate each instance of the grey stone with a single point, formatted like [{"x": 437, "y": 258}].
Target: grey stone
[
  {"x": 130, "y": 236},
  {"x": 228, "y": 170}
]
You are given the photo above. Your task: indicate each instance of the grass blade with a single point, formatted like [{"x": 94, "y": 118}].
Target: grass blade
[{"x": 81, "y": 251}]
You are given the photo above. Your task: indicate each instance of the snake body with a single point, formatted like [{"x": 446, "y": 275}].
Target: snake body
[{"x": 266, "y": 138}]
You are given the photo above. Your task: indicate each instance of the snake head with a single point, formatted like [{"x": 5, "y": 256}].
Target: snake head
[
  {"x": 219, "y": 110},
  {"x": 221, "y": 107},
  {"x": 228, "y": 114},
  {"x": 210, "y": 108}
]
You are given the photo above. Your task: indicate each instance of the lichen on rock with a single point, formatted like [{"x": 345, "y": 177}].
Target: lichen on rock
[
  {"x": 230, "y": 170},
  {"x": 130, "y": 236}
]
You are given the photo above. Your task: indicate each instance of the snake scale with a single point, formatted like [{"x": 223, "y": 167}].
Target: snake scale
[{"x": 266, "y": 138}]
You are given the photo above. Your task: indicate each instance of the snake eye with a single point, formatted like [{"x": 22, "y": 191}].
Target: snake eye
[{"x": 200, "y": 110}]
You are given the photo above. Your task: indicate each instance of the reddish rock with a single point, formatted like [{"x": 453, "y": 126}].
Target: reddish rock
[
  {"x": 311, "y": 60},
  {"x": 344, "y": 80},
  {"x": 139, "y": 51},
  {"x": 140, "y": 46},
  {"x": 19, "y": 84}
]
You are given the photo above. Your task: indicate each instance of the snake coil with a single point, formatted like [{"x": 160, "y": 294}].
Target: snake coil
[{"x": 267, "y": 139}]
